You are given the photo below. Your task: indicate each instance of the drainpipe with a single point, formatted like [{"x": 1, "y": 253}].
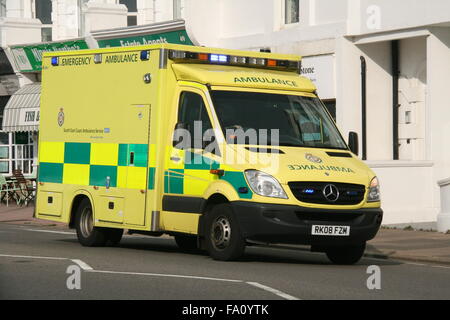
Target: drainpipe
[
  {"x": 395, "y": 75},
  {"x": 364, "y": 107}
]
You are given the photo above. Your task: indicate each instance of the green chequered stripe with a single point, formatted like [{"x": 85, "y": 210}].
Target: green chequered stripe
[
  {"x": 140, "y": 154},
  {"x": 77, "y": 153},
  {"x": 151, "y": 178},
  {"x": 98, "y": 175},
  {"x": 173, "y": 181},
  {"x": 237, "y": 180},
  {"x": 51, "y": 172},
  {"x": 173, "y": 178}
]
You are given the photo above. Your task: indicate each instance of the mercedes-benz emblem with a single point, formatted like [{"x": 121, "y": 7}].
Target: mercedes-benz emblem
[{"x": 331, "y": 192}]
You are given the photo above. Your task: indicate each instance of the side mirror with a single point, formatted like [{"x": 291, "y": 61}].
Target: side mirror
[{"x": 353, "y": 142}]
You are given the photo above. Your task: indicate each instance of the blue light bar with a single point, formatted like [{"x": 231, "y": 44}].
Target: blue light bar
[
  {"x": 55, "y": 61},
  {"x": 145, "y": 55},
  {"x": 218, "y": 58},
  {"x": 309, "y": 191}
]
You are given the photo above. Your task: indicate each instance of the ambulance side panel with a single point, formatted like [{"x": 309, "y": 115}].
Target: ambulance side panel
[{"x": 99, "y": 126}]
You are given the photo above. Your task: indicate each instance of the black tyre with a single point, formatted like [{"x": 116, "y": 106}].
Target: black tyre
[
  {"x": 88, "y": 235},
  {"x": 186, "y": 243},
  {"x": 113, "y": 236},
  {"x": 223, "y": 236},
  {"x": 346, "y": 255}
]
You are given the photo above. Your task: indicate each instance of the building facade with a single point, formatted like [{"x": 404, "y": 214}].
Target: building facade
[{"x": 381, "y": 67}]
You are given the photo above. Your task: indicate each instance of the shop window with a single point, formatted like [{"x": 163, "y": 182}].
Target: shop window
[
  {"x": 4, "y": 152},
  {"x": 4, "y": 157},
  {"x": 291, "y": 11},
  {"x": 22, "y": 152}
]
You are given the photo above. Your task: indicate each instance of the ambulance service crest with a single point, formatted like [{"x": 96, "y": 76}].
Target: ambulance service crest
[{"x": 61, "y": 117}]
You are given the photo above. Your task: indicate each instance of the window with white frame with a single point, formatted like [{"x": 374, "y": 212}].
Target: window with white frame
[
  {"x": 2, "y": 8},
  {"x": 22, "y": 152},
  {"x": 178, "y": 9},
  {"x": 16, "y": 152},
  {"x": 43, "y": 12},
  {"x": 291, "y": 11},
  {"x": 132, "y": 11}
]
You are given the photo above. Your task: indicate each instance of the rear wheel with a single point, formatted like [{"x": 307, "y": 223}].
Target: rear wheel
[
  {"x": 186, "y": 243},
  {"x": 87, "y": 234},
  {"x": 113, "y": 236},
  {"x": 346, "y": 254},
  {"x": 223, "y": 236}
]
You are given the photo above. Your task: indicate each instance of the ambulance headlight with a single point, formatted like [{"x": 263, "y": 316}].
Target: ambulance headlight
[
  {"x": 374, "y": 191},
  {"x": 264, "y": 184}
]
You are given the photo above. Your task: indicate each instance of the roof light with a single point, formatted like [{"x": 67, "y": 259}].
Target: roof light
[
  {"x": 55, "y": 61},
  {"x": 238, "y": 60},
  {"x": 145, "y": 55},
  {"x": 271, "y": 63},
  {"x": 203, "y": 56},
  {"x": 98, "y": 58},
  {"x": 217, "y": 58},
  {"x": 257, "y": 61}
]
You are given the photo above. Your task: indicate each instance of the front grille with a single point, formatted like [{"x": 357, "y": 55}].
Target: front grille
[
  {"x": 328, "y": 217},
  {"x": 312, "y": 192}
]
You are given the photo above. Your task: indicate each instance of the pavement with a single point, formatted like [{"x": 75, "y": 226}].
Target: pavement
[{"x": 395, "y": 244}]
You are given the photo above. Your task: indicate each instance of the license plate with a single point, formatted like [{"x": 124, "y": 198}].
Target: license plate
[{"x": 342, "y": 231}]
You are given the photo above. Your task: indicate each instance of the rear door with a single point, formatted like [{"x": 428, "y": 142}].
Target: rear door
[
  {"x": 133, "y": 164},
  {"x": 123, "y": 186}
]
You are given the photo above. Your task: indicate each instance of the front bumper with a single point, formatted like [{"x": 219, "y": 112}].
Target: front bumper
[{"x": 291, "y": 224}]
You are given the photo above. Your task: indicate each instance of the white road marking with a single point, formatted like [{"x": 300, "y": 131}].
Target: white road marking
[
  {"x": 272, "y": 290},
  {"x": 165, "y": 275},
  {"x": 88, "y": 268},
  {"x": 31, "y": 257},
  {"x": 51, "y": 231},
  {"x": 82, "y": 265}
]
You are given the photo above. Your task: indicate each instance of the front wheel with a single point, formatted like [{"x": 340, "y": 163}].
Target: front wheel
[
  {"x": 224, "y": 240},
  {"x": 346, "y": 255}
]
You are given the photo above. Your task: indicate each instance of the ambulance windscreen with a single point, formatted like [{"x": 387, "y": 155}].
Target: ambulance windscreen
[{"x": 275, "y": 119}]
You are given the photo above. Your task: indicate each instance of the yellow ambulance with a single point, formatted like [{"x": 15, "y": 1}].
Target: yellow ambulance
[{"x": 218, "y": 148}]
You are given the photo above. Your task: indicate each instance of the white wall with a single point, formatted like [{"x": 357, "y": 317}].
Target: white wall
[
  {"x": 369, "y": 16},
  {"x": 412, "y": 93},
  {"x": 104, "y": 15},
  {"x": 438, "y": 100},
  {"x": 66, "y": 19},
  {"x": 379, "y": 100},
  {"x": 19, "y": 30},
  {"x": 407, "y": 191}
]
